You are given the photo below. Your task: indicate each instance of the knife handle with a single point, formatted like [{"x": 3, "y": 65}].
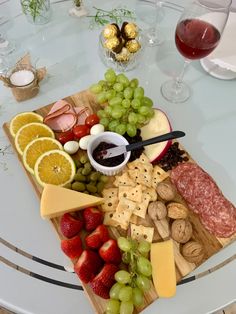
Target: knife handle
[{"x": 161, "y": 138}]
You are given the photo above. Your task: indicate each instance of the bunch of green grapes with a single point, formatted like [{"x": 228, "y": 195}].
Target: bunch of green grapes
[
  {"x": 131, "y": 284},
  {"x": 126, "y": 108}
]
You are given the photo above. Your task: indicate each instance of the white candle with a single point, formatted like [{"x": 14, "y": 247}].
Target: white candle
[{"x": 22, "y": 77}]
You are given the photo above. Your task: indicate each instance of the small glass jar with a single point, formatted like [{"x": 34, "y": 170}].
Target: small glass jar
[{"x": 37, "y": 11}]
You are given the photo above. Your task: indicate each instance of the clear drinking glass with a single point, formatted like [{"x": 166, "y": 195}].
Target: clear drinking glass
[
  {"x": 149, "y": 11},
  {"x": 197, "y": 34},
  {"x": 6, "y": 47}
]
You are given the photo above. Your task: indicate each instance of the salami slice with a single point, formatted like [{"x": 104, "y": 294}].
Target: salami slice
[{"x": 217, "y": 214}]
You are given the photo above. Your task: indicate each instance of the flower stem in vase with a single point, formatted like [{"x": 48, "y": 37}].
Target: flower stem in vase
[{"x": 79, "y": 9}]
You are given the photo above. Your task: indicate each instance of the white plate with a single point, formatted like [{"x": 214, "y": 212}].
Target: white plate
[{"x": 216, "y": 71}]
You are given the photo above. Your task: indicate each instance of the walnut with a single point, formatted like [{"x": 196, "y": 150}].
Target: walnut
[
  {"x": 166, "y": 191},
  {"x": 193, "y": 252},
  {"x": 177, "y": 211},
  {"x": 157, "y": 210},
  {"x": 181, "y": 230}
]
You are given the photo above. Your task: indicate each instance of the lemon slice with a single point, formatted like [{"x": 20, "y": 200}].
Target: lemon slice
[
  {"x": 22, "y": 119},
  {"x": 29, "y": 132},
  {"x": 36, "y": 148},
  {"x": 54, "y": 167}
]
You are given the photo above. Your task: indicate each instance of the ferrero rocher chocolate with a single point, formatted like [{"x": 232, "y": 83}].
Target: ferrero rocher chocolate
[
  {"x": 129, "y": 30},
  {"x": 110, "y": 31},
  {"x": 114, "y": 43},
  {"x": 133, "y": 45},
  {"x": 123, "y": 56}
]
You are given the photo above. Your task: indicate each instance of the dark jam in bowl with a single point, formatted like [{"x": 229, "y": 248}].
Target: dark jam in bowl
[{"x": 109, "y": 162}]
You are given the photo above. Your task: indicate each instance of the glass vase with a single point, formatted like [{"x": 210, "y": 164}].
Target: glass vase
[{"x": 36, "y": 11}]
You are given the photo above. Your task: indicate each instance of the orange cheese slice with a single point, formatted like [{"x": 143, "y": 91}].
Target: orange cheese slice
[
  {"x": 56, "y": 201},
  {"x": 163, "y": 268}
]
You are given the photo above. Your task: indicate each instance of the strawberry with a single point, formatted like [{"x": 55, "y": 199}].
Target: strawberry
[
  {"x": 95, "y": 239},
  {"x": 70, "y": 225},
  {"x": 107, "y": 275},
  {"x": 100, "y": 290},
  {"x": 72, "y": 247},
  {"x": 110, "y": 252},
  {"x": 93, "y": 218},
  {"x": 88, "y": 265}
]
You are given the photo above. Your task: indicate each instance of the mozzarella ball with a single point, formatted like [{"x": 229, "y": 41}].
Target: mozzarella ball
[
  {"x": 97, "y": 129},
  {"x": 83, "y": 142},
  {"x": 71, "y": 147}
]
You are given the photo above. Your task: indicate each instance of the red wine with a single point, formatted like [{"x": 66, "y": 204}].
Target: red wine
[{"x": 195, "y": 39}]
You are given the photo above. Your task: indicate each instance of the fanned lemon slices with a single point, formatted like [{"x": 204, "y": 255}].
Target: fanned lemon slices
[
  {"x": 36, "y": 148},
  {"x": 29, "y": 132},
  {"x": 54, "y": 167},
  {"x": 22, "y": 119}
]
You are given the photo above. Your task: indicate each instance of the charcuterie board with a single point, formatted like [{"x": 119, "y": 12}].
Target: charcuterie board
[{"x": 211, "y": 243}]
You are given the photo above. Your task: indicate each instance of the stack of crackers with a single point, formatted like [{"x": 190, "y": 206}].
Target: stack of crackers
[{"x": 129, "y": 197}]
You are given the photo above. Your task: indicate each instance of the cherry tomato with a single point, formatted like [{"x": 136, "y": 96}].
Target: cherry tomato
[
  {"x": 92, "y": 120},
  {"x": 67, "y": 136},
  {"x": 81, "y": 130}
]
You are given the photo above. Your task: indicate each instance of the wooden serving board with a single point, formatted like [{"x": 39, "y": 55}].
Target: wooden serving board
[{"x": 211, "y": 243}]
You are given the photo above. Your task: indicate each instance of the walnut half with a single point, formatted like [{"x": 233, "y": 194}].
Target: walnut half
[
  {"x": 166, "y": 191},
  {"x": 181, "y": 230},
  {"x": 177, "y": 211},
  {"x": 193, "y": 252}
]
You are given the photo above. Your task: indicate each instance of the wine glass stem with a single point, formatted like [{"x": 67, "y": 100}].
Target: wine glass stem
[{"x": 179, "y": 78}]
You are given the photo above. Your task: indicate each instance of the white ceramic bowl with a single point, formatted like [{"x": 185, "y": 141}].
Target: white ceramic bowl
[{"x": 109, "y": 137}]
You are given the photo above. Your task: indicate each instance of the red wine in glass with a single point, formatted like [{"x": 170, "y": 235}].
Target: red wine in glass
[{"x": 195, "y": 38}]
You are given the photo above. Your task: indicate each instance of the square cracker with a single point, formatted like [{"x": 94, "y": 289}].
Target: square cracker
[
  {"x": 124, "y": 179},
  {"x": 133, "y": 174},
  {"x": 141, "y": 208},
  {"x": 123, "y": 218},
  {"x": 142, "y": 233},
  {"x": 131, "y": 193},
  {"x": 145, "y": 178},
  {"x": 125, "y": 204},
  {"x": 110, "y": 199},
  {"x": 108, "y": 221},
  {"x": 152, "y": 192},
  {"x": 158, "y": 175}
]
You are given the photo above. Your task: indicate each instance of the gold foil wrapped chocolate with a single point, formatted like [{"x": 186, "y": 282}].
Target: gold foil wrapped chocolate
[
  {"x": 114, "y": 43},
  {"x": 133, "y": 45},
  {"x": 123, "y": 56},
  {"x": 110, "y": 31},
  {"x": 129, "y": 30}
]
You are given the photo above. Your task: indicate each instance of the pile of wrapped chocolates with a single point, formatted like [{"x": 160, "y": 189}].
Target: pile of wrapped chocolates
[{"x": 121, "y": 43}]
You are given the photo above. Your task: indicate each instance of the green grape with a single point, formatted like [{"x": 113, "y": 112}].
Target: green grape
[
  {"x": 104, "y": 121},
  {"x": 134, "y": 244},
  {"x": 120, "y": 94},
  {"x": 121, "y": 129},
  {"x": 116, "y": 101},
  {"x": 107, "y": 110},
  {"x": 116, "y": 112},
  {"x": 115, "y": 290},
  {"x": 112, "y": 125},
  {"x": 126, "y": 103},
  {"x": 124, "y": 244},
  {"x": 102, "y": 83},
  {"x": 111, "y": 93},
  {"x": 125, "y": 293},
  {"x": 101, "y": 97},
  {"x": 141, "y": 119},
  {"x": 110, "y": 76},
  {"x": 113, "y": 307},
  {"x": 132, "y": 118},
  {"x": 134, "y": 83},
  {"x": 131, "y": 130},
  {"x": 96, "y": 88},
  {"x": 121, "y": 78},
  {"x": 126, "y": 307},
  {"x": 151, "y": 113},
  {"x": 137, "y": 297},
  {"x": 143, "y": 283},
  {"x": 139, "y": 92},
  {"x": 122, "y": 276},
  {"x": 128, "y": 93},
  {"x": 101, "y": 113},
  {"x": 144, "y": 247},
  {"x": 144, "y": 266},
  {"x": 146, "y": 101},
  {"x": 143, "y": 110},
  {"x": 136, "y": 103},
  {"x": 118, "y": 87},
  {"x": 126, "y": 257}
]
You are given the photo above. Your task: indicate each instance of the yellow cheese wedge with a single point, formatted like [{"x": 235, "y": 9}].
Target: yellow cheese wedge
[
  {"x": 56, "y": 201},
  {"x": 163, "y": 268}
]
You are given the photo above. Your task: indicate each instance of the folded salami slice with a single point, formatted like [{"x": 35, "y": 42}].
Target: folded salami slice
[{"x": 217, "y": 214}]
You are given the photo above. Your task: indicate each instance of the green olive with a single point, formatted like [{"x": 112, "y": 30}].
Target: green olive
[
  {"x": 100, "y": 186},
  {"x": 86, "y": 171},
  {"x": 88, "y": 165},
  {"x": 79, "y": 177},
  {"x": 67, "y": 186},
  {"x": 83, "y": 159},
  {"x": 91, "y": 188},
  {"x": 95, "y": 176},
  {"x": 79, "y": 170},
  {"x": 78, "y": 186},
  {"x": 103, "y": 178}
]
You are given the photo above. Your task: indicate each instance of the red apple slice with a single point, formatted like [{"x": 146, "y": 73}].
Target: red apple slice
[{"x": 158, "y": 125}]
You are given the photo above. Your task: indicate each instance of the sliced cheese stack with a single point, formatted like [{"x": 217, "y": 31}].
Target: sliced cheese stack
[
  {"x": 163, "y": 268},
  {"x": 56, "y": 201}
]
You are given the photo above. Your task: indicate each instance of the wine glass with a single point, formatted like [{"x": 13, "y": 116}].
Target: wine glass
[
  {"x": 197, "y": 34},
  {"x": 149, "y": 11},
  {"x": 6, "y": 47}
]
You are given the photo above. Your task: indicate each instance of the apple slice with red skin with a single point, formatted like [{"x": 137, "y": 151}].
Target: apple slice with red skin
[{"x": 158, "y": 125}]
